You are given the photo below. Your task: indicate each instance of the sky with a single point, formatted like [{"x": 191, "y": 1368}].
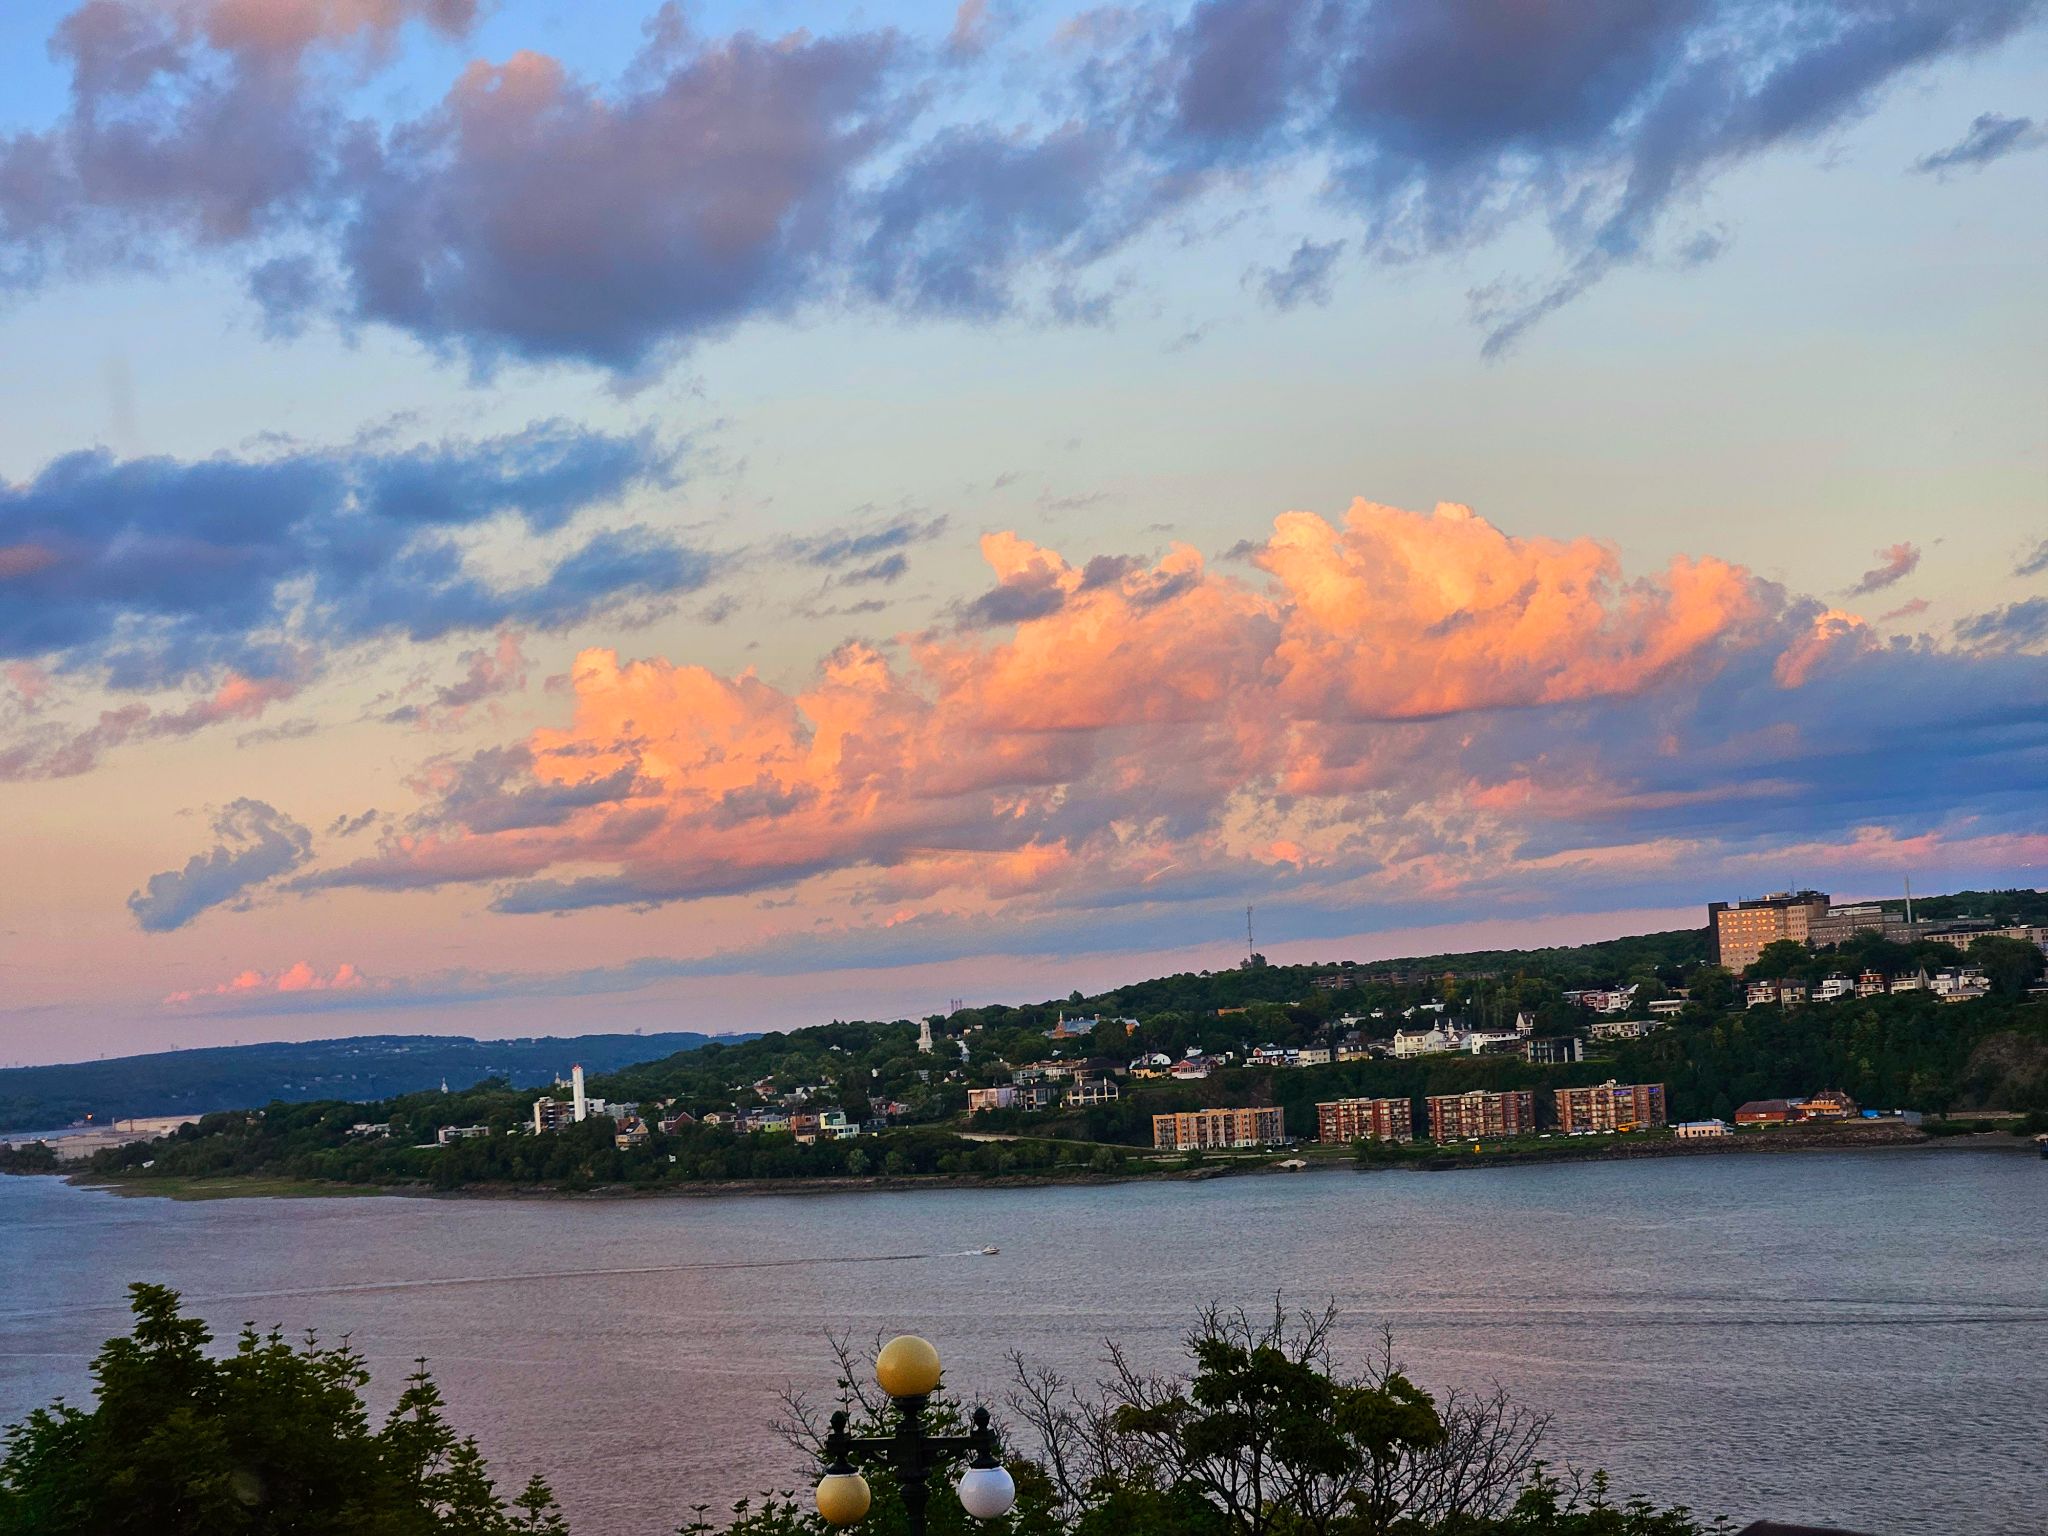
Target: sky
[{"x": 526, "y": 517}]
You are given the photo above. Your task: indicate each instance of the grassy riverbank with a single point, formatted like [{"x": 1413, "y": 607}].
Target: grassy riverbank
[
  {"x": 230, "y": 1186},
  {"x": 1408, "y": 1158}
]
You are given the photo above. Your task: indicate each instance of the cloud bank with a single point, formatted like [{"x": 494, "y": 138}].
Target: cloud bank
[
  {"x": 241, "y": 576},
  {"x": 722, "y": 179},
  {"x": 1398, "y": 709}
]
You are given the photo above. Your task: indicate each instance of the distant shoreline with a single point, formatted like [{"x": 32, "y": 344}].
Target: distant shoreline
[{"x": 1619, "y": 1149}]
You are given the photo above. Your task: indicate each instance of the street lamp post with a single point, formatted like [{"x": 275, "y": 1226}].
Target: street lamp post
[{"x": 908, "y": 1370}]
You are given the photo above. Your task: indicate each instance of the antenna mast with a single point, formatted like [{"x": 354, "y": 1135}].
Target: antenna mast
[{"x": 1251, "y": 945}]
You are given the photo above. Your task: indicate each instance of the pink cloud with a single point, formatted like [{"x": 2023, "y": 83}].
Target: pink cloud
[
  {"x": 1130, "y": 720},
  {"x": 1895, "y": 563},
  {"x": 53, "y": 751},
  {"x": 1830, "y": 637},
  {"x": 1393, "y": 707},
  {"x": 300, "y": 976},
  {"x": 25, "y": 559}
]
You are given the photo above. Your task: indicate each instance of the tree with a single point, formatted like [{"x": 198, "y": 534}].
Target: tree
[
  {"x": 272, "y": 1438},
  {"x": 2010, "y": 965},
  {"x": 1779, "y": 959},
  {"x": 1266, "y": 1438},
  {"x": 1712, "y": 987}
]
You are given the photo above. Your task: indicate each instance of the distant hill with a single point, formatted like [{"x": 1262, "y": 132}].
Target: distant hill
[{"x": 361, "y": 1067}]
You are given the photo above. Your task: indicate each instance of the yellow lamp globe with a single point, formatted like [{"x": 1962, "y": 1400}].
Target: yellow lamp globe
[
  {"x": 907, "y": 1367},
  {"x": 843, "y": 1497}
]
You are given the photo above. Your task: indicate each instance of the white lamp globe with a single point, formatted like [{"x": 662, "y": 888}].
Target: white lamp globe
[{"x": 987, "y": 1492}]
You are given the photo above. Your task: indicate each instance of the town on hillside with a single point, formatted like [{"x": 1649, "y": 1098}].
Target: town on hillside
[{"x": 1741, "y": 1028}]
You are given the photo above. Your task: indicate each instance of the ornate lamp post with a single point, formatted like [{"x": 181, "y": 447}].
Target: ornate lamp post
[{"x": 908, "y": 1370}]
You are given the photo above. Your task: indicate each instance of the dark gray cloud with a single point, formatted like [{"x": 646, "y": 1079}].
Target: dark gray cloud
[
  {"x": 1031, "y": 593},
  {"x": 1991, "y": 137},
  {"x": 2015, "y": 625},
  {"x": 212, "y": 123},
  {"x": 887, "y": 570},
  {"x": 257, "y": 843},
  {"x": 158, "y": 571},
  {"x": 712, "y": 192},
  {"x": 1306, "y": 277},
  {"x": 2035, "y": 563},
  {"x": 867, "y": 542},
  {"x": 531, "y": 214}
]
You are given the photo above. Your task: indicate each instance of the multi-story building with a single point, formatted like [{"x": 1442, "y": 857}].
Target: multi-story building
[
  {"x": 1828, "y": 1104},
  {"x": 1610, "y": 1106},
  {"x": 979, "y": 1099},
  {"x": 1740, "y": 929},
  {"x": 1036, "y": 1096},
  {"x": 1091, "y": 1090},
  {"x": 1481, "y": 1116},
  {"x": 1437, "y": 1040},
  {"x": 1785, "y": 994},
  {"x": 1201, "y": 1129},
  {"x": 1553, "y": 1050},
  {"x": 1347, "y": 1120},
  {"x": 1837, "y": 925}
]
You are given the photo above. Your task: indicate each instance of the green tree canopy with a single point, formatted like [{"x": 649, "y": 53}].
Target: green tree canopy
[{"x": 271, "y": 1438}]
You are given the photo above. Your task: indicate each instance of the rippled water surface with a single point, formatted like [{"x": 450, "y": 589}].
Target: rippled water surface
[{"x": 1851, "y": 1338}]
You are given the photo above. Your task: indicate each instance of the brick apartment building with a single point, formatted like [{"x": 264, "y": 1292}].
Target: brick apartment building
[
  {"x": 1347, "y": 1120},
  {"x": 1611, "y": 1106},
  {"x": 1201, "y": 1129},
  {"x": 1481, "y": 1116}
]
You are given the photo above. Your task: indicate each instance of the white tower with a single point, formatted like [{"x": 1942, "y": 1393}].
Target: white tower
[
  {"x": 576, "y": 1078},
  {"x": 924, "y": 1036}
]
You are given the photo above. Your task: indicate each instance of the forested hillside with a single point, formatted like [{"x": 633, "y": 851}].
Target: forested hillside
[{"x": 362, "y": 1067}]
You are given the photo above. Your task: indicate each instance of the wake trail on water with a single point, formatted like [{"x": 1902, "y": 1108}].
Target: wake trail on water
[{"x": 529, "y": 1277}]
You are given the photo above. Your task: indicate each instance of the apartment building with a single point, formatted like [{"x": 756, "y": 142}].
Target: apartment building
[
  {"x": 1341, "y": 1121},
  {"x": 1202, "y": 1129},
  {"x": 1481, "y": 1116},
  {"x": 1610, "y": 1106}
]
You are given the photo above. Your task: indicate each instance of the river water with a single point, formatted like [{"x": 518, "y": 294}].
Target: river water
[{"x": 1855, "y": 1338}]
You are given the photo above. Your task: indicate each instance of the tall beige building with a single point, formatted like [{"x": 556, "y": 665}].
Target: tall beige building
[
  {"x": 1741, "y": 929},
  {"x": 1198, "y": 1129}
]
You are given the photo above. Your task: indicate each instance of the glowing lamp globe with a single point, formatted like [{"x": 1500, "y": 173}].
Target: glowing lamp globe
[
  {"x": 843, "y": 1497},
  {"x": 987, "y": 1493},
  {"x": 907, "y": 1367}
]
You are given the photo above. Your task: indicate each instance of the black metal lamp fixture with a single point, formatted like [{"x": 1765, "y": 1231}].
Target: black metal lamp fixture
[{"x": 908, "y": 1370}]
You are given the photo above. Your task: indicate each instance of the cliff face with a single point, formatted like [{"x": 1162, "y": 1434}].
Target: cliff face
[{"x": 2008, "y": 1070}]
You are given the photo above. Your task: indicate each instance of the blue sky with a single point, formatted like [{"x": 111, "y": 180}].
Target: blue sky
[{"x": 667, "y": 309}]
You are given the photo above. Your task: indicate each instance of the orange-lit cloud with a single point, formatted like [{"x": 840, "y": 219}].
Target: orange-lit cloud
[
  {"x": 1404, "y": 614},
  {"x": 297, "y": 977},
  {"x": 1113, "y": 722},
  {"x": 1391, "y": 711}
]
